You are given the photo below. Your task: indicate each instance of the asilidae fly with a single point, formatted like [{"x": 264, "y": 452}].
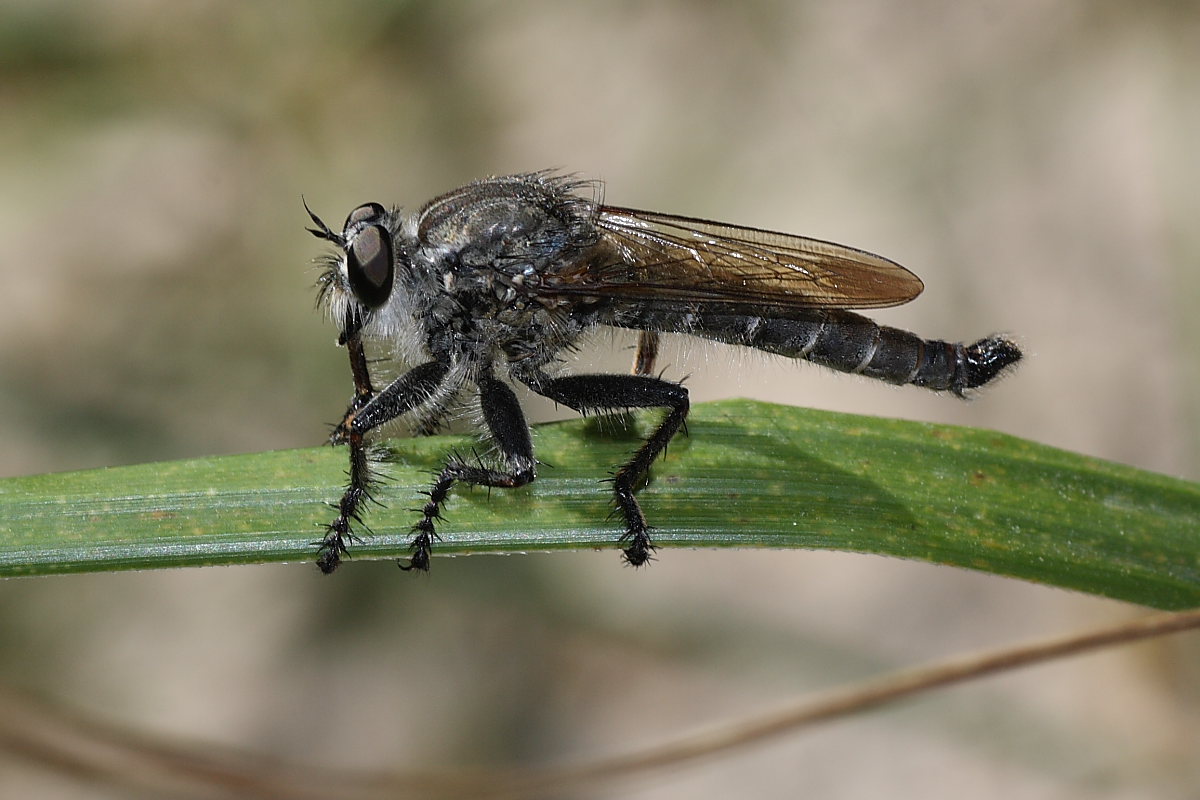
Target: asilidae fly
[{"x": 495, "y": 282}]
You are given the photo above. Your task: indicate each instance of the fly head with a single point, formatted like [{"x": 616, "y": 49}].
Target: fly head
[
  {"x": 360, "y": 278},
  {"x": 370, "y": 265}
]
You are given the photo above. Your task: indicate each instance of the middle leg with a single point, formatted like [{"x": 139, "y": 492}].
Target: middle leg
[{"x": 506, "y": 423}]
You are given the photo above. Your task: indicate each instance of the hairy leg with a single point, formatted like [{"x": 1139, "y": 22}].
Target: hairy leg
[
  {"x": 586, "y": 393},
  {"x": 367, "y": 411},
  {"x": 506, "y": 423}
]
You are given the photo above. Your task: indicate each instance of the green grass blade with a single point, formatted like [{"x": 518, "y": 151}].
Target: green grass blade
[{"x": 748, "y": 475}]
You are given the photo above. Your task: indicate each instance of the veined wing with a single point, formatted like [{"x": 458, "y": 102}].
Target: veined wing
[{"x": 668, "y": 257}]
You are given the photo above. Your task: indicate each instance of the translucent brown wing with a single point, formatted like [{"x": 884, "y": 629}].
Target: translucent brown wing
[{"x": 667, "y": 257}]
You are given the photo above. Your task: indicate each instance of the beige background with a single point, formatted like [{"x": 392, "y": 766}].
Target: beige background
[{"x": 1036, "y": 163}]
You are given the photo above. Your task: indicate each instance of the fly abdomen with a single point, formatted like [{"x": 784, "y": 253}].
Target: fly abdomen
[{"x": 848, "y": 342}]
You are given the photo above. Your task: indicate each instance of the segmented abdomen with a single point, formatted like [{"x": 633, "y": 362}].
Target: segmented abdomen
[{"x": 843, "y": 341}]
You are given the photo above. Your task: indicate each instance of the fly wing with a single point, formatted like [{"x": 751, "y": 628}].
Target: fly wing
[{"x": 654, "y": 256}]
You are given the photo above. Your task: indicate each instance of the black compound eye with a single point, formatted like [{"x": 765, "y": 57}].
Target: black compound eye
[
  {"x": 369, "y": 265},
  {"x": 367, "y": 212}
]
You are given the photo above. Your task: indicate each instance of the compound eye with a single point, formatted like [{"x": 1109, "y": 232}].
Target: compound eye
[
  {"x": 367, "y": 212},
  {"x": 369, "y": 265}
]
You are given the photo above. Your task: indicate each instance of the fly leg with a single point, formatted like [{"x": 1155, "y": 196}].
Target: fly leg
[
  {"x": 589, "y": 393},
  {"x": 506, "y": 423},
  {"x": 352, "y": 339},
  {"x": 369, "y": 410},
  {"x": 647, "y": 352},
  {"x": 359, "y": 474}
]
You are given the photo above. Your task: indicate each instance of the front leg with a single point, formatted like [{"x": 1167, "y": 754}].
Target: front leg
[
  {"x": 508, "y": 429},
  {"x": 363, "y": 390},
  {"x": 586, "y": 393},
  {"x": 368, "y": 411}
]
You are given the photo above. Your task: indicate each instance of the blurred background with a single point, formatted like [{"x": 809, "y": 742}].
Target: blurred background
[{"x": 1035, "y": 163}]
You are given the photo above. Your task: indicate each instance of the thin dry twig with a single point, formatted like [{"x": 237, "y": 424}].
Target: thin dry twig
[{"x": 144, "y": 762}]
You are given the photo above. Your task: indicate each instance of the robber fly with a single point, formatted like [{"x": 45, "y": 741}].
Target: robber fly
[{"x": 495, "y": 282}]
